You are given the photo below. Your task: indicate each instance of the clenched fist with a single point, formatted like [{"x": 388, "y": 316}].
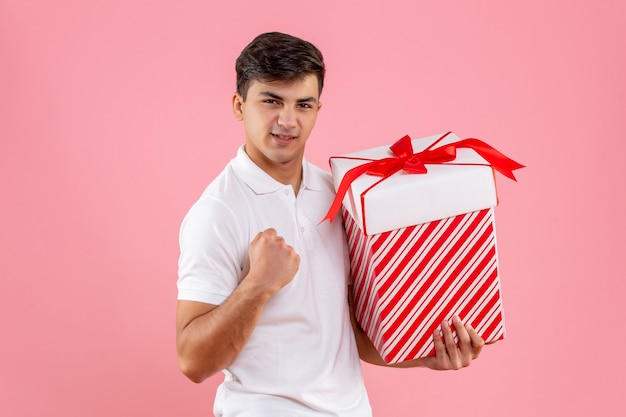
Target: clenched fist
[{"x": 273, "y": 263}]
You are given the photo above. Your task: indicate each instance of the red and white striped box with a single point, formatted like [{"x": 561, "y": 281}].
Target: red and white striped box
[
  {"x": 422, "y": 248},
  {"x": 407, "y": 281}
]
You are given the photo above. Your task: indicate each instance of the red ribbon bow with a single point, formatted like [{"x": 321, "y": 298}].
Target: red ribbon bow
[{"x": 412, "y": 162}]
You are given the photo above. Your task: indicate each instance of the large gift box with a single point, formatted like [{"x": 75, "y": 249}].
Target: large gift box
[{"x": 420, "y": 224}]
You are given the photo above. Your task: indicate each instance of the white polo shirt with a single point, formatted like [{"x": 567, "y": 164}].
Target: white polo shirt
[{"x": 301, "y": 359}]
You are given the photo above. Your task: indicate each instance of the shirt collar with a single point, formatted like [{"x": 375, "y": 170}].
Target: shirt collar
[{"x": 261, "y": 182}]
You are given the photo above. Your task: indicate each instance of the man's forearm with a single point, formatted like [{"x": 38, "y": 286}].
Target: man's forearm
[{"x": 211, "y": 341}]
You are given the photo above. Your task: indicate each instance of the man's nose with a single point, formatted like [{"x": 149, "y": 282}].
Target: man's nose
[{"x": 287, "y": 118}]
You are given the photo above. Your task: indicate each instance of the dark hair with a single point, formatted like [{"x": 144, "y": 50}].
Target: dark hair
[{"x": 277, "y": 56}]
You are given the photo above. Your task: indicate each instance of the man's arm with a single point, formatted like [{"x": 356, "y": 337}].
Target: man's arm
[
  {"x": 447, "y": 354},
  {"x": 209, "y": 337}
]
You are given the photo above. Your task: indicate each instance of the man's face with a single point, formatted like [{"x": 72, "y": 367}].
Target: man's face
[{"x": 278, "y": 118}]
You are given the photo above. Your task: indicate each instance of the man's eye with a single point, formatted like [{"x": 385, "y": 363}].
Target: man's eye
[
  {"x": 270, "y": 101},
  {"x": 305, "y": 106}
]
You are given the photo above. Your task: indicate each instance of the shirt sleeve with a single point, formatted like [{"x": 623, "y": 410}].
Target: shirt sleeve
[{"x": 212, "y": 253}]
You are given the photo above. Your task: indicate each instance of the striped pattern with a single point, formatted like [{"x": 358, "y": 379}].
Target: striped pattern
[{"x": 407, "y": 281}]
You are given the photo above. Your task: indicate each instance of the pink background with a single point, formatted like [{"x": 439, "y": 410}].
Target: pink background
[{"x": 115, "y": 114}]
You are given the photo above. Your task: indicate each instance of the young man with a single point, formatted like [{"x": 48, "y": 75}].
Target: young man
[{"x": 263, "y": 285}]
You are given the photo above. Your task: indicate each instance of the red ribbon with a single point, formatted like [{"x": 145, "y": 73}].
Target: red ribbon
[{"x": 412, "y": 162}]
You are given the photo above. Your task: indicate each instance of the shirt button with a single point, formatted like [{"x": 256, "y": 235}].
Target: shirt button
[
  {"x": 302, "y": 229},
  {"x": 286, "y": 192}
]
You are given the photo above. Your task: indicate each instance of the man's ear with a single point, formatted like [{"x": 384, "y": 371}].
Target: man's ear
[{"x": 237, "y": 106}]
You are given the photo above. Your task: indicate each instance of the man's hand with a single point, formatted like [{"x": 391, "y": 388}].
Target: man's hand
[
  {"x": 273, "y": 263},
  {"x": 447, "y": 354},
  {"x": 210, "y": 337}
]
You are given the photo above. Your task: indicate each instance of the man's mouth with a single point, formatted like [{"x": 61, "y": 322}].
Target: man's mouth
[{"x": 281, "y": 138}]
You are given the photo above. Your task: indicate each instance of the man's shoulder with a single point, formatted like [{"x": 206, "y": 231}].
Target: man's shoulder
[
  {"x": 317, "y": 170},
  {"x": 219, "y": 193},
  {"x": 320, "y": 176},
  {"x": 216, "y": 185}
]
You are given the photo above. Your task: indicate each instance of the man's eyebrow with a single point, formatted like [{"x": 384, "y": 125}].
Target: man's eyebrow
[
  {"x": 272, "y": 95},
  {"x": 307, "y": 100},
  {"x": 277, "y": 97}
]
